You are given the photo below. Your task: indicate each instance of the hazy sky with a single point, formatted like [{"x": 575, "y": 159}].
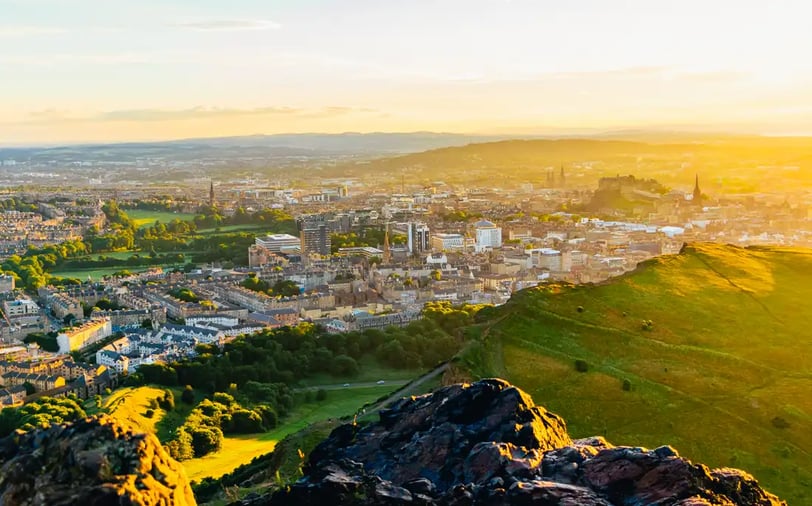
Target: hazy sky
[{"x": 82, "y": 70}]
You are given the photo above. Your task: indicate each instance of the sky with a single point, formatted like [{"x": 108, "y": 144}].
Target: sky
[{"x": 114, "y": 70}]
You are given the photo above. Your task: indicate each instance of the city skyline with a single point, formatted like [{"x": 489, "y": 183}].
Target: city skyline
[{"x": 91, "y": 71}]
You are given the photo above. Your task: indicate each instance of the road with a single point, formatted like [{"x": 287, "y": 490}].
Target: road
[
  {"x": 407, "y": 388},
  {"x": 340, "y": 386}
]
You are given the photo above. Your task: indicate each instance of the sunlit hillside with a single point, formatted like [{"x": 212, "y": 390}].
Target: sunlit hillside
[
  {"x": 709, "y": 351},
  {"x": 727, "y": 164}
]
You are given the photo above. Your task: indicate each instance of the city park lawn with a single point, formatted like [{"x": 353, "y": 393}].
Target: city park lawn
[{"x": 145, "y": 218}]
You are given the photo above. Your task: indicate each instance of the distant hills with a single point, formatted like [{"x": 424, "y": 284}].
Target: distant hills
[
  {"x": 280, "y": 145},
  {"x": 708, "y": 351}
]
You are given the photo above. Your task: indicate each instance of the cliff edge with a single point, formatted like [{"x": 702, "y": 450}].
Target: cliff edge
[
  {"x": 94, "y": 461},
  {"x": 486, "y": 443}
]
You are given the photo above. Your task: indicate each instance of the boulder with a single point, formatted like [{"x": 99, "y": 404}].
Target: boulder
[
  {"x": 487, "y": 443},
  {"x": 95, "y": 461}
]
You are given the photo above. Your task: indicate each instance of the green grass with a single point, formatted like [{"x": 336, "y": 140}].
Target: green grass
[
  {"x": 143, "y": 218},
  {"x": 371, "y": 371},
  {"x": 98, "y": 273},
  {"x": 239, "y": 450},
  {"x": 233, "y": 228},
  {"x": 728, "y": 352}
]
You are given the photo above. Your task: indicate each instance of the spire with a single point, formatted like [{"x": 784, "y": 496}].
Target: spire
[
  {"x": 697, "y": 192},
  {"x": 211, "y": 193},
  {"x": 387, "y": 255},
  {"x": 563, "y": 180}
]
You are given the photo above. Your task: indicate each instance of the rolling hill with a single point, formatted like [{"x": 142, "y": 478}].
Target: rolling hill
[{"x": 709, "y": 351}]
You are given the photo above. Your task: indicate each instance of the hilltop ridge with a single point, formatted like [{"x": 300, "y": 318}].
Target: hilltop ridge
[{"x": 708, "y": 351}]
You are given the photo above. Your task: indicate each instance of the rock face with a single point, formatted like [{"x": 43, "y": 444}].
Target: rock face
[
  {"x": 487, "y": 443},
  {"x": 90, "y": 462}
]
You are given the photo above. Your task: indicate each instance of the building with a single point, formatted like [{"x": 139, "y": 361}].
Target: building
[
  {"x": 78, "y": 337},
  {"x": 6, "y": 283},
  {"x": 447, "y": 242},
  {"x": 260, "y": 256},
  {"x": 279, "y": 243},
  {"x": 316, "y": 239},
  {"x": 63, "y": 305},
  {"x": 113, "y": 360},
  {"x": 488, "y": 235},
  {"x": 20, "y": 307},
  {"x": 418, "y": 238},
  {"x": 12, "y": 396},
  {"x": 41, "y": 382},
  {"x": 363, "y": 251}
]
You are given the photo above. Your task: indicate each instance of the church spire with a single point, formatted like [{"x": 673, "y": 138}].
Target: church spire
[
  {"x": 697, "y": 192},
  {"x": 387, "y": 254},
  {"x": 211, "y": 193}
]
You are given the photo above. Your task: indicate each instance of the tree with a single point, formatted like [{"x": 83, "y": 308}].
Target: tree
[
  {"x": 29, "y": 388},
  {"x": 206, "y": 440},
  {"x": 344, "y": 365},
  {"x": 321, "y": 394},
  {"x": 188, "y": 395},
  {"x": 69, "y": 319},
  {"x": 244, "y": 421}
]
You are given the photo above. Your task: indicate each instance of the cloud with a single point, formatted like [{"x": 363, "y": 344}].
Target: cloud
[
  {"x": 230, "y": 25},
  {"x": 28, "y": 30},
  {"x": 49, "y": 116}
]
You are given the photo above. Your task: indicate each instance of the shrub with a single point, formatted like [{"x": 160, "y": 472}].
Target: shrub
[
  {"x": 780, "y": 423},
  {"x": 188, "y": 396},
  {"x": 647, "y": 325},
  {"x": 321, "y": 394},
  {"x": 627, "y": 385},
  {"x": 269, "y": 417},
  {"x": 223, "y": 398},
  {"x": 167, "y": 401},
  {"x": 580, "y": 309},
  {"x": 581, "y": 365},
  {"x": 181, "y": 447},
  {"x": 206, "y": 440},
  {"x": 244, "y": 421}
]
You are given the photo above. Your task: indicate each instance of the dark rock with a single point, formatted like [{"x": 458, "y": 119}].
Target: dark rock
[
  {"x": 93, "y": 461},
  {"x": 486, "y": 443}
]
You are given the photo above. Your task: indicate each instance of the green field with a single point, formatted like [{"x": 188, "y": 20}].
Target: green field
[
  {"x": 129, "y": 405},
  {"x": 235, "y": 228},
  {"x": 728, "y": 353},
  {"x": 97, "y": 273},
  {"x": 143, "y": 218},
  {"x": 239, "y": 450}
]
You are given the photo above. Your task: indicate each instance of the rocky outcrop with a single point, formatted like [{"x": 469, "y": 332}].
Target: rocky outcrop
[
  {"x": 487, "y": 443},
  {"x": 95, "y": 462}
]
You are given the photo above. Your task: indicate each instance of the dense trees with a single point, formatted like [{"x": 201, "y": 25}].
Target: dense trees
[
  {"x": 42, "y": 412},
  {"x": 203, "y": 430},
  {"x": 286, "y": 355},
  {"x": 283, "y": 288}
]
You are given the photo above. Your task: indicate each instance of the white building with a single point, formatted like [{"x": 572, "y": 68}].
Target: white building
[
  {"x": 488, "y": 235},
  {"x": 279, "y": 243},
  {"x": 20, "y": 307},
  {"x": 78, "y": 337},
  {"x": 447, "y": 242},
  {"x": 113, "y": 360}
]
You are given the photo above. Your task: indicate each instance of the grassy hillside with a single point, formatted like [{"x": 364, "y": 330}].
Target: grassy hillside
[
  {"x": 719, "y": 160},
  {"x": 130, "y": 404},
  {"x": 723, "y": 372}
]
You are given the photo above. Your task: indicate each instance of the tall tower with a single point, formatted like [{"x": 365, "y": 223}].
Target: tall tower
[
  {"x": 211, "y": 193},
  {"x": 563, "y": 180},
  {"x": 697, "y": 192},
  {"x": 387, "y": 254}
]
